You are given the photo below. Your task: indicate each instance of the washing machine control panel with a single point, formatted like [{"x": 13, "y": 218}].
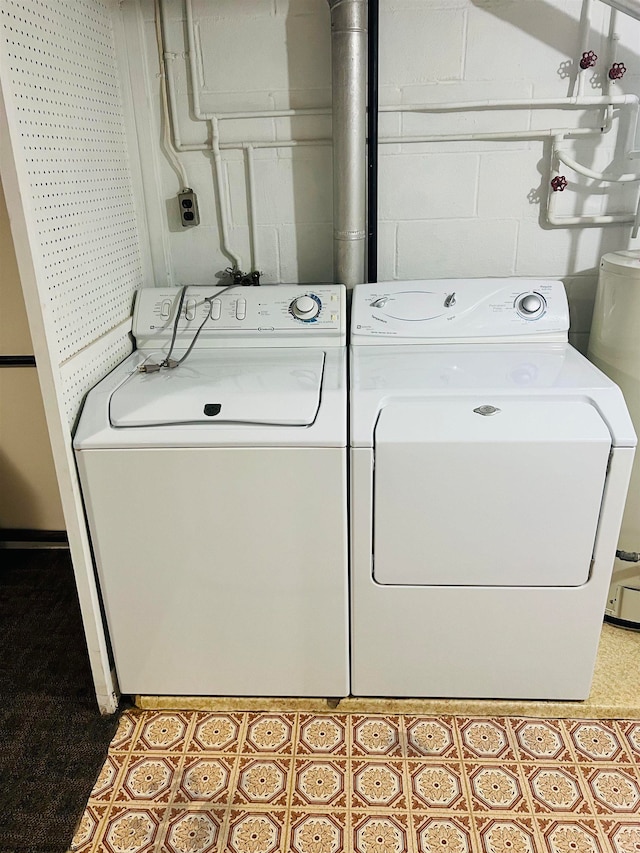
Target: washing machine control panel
[
  {"x": 301, "y": 315},
  {"x": 460, "y": 309}
]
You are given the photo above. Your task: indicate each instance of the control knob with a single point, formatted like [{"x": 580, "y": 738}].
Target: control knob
[
  {"x": 305, "y": 307},
  {"x": 530, "y": 305}
]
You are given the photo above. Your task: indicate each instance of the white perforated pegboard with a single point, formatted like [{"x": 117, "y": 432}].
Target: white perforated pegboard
[
  {"x": 69, "y": 186},
  {"x": 65, "y": 84},
  {"x": 80, "y": 374}
]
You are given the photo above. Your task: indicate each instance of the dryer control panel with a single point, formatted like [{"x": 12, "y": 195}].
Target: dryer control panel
[
  {"x": 460, "y": 310},
  {"x": 269, "y": 315}
]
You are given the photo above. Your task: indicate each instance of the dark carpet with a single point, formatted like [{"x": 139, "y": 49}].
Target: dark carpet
[{"x": 53, "y": 740}]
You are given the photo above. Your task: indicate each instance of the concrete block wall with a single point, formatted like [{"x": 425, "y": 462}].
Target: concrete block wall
[{"x": 447, "y": 209}]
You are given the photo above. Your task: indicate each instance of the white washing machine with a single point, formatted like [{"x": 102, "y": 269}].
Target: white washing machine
[
  {"x": 216, "y": 494},
  {"x": 489, "y": 467}
]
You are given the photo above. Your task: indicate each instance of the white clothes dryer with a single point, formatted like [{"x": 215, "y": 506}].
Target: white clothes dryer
[
  {"x": 216, "y": 494},
  {"x": 489, "y": 468}
]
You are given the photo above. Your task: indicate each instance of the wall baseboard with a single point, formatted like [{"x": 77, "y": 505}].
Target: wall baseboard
[
  {"x": 18, "y": 537},
  {"x": 17, "y": 361}
]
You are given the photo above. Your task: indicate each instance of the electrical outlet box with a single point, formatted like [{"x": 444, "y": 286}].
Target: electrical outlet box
[{"x": 188, "y": 202}]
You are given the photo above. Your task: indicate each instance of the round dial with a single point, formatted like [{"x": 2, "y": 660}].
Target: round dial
[
  {"x": 305, "y": 307},
  {"x": 530, "y": 305}
]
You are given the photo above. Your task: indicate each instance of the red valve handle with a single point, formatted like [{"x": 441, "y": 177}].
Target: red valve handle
[
  {"x": 617, "y": 70},
  {"x": 559, "y": 183},
  {"x": 589, "y": 59}
]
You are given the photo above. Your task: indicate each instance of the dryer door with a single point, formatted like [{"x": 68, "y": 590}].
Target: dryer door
[{"x": 466, "y": 496}]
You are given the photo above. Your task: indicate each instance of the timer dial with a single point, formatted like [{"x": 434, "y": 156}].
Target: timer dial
[
  {"x": 305, "y": 307},
  {"x": 530, "y": 305}
]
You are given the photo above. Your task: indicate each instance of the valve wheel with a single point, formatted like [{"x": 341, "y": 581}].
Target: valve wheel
[
  {"x": 559, "y": 183},
  {"x": 617, "y": 70},
  {"x": 589, "y": 59}
]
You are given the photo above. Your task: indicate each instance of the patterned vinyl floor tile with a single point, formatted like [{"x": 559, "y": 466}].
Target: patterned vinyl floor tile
[{"x": 248, "y": 782}]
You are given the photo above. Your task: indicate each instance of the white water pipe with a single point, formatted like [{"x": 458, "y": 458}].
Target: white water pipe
[
  {"x": 612, "y": 49},
  {"x": 452, "y": 106},
  {"x": 246, "y": 114},
  {"x": 302, "y": 111},
  {"x": 578, "y": 102},
  {"x": 564, "y": 220},
  {"x": 206, "y": 146},
  {"x": 251, "y": 200},
  {"x": 575, "y": 102},
  {"x": 497, "y": 136},
  {"x": 215, "y": 146},
  {"x": 629, "y": 7},
  {"x": 276, "y": 143},
  {"x": 590, "y": 173},
  {"x": 222, "y": 198},
  {"x": 583, "y": 45},
  {"x": 167, "y": 140},
  {"x": 248, "y": 148},
  {"x": 528, "y": 103},
  {"x": 233, "y": 256},
  {"x": 251, "y": 114},
  {"x": 553, "y": 218},
  {"x": 558, "y": 155},
  {"x": 169, "y": 59}
]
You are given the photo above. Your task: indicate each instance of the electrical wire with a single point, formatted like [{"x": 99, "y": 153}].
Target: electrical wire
[
  {"x": 183, "y": 293},
  {"x": 170, "y": 364},
  {"x": 208, "y": 299}
]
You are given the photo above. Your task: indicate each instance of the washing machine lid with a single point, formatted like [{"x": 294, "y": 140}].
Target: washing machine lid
[{"x": 259, "y": 386}]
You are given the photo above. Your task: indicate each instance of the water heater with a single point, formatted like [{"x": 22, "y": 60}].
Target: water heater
[{"x": 614, "y": 346}]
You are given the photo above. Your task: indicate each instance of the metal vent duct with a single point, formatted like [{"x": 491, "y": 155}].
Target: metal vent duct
[{"x": 348, "y": 74}]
